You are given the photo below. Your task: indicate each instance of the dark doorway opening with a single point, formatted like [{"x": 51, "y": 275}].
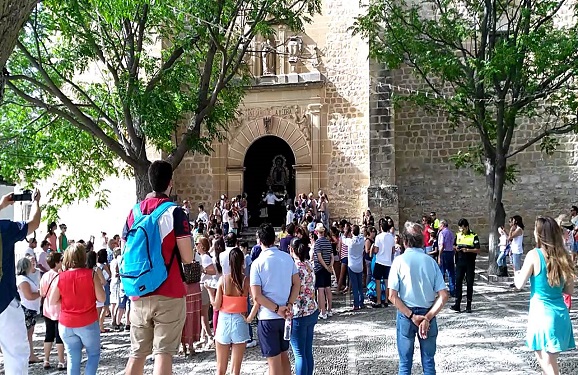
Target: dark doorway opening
[{"x": 268, "y": 165}]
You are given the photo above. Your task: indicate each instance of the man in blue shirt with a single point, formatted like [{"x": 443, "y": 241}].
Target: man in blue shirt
[
  {"x": 14, "y": 339},
  {"x": 418, "y": 291}
]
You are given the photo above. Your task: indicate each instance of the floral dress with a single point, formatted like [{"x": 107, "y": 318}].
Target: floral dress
[{"x": 306, "y": 303}]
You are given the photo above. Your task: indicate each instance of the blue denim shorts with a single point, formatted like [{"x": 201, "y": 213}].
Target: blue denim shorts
[{"x": 232, "y": 329}]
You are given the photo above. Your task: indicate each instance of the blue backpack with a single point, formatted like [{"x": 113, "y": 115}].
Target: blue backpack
[{"x": 142, "y": 267}]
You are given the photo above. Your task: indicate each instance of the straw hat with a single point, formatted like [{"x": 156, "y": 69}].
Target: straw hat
[
  {"x": 319, "y": 227},
  {"x": 563, "y": 221}
]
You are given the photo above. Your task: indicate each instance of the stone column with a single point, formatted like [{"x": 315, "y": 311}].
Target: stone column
[
  {"x": 316, "y": 122},
  {"x": 382, "y": 191},
  {"x": 281, "y": 50}
]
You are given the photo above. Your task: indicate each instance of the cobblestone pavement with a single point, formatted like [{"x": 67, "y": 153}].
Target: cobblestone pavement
[{"x": 488, "y": 341}]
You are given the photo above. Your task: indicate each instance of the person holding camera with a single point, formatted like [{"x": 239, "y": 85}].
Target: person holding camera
[{"x": 14, "y": 339}]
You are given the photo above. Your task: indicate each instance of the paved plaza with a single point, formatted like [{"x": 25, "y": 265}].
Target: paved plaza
[{"x": 488, "y": 341}]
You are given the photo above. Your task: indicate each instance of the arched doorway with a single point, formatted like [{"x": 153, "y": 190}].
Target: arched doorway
[{"x": 268, "y": 164}]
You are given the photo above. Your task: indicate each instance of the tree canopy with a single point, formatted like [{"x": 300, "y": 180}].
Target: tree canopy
[
  {"x": 93, "y": 84},
  {"x": 489, "y": 65}
]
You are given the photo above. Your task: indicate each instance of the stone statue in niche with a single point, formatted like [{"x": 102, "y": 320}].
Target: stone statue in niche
[
  {"x": 268, "y": 57},
  {"x": 279, "y": 175},
  {"x": 302, "y": 120}
]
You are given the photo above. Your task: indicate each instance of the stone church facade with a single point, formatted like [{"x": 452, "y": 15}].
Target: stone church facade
[{"x": 320, "y": 97}]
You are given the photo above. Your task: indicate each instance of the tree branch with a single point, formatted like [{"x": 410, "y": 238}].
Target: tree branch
[
  {"x": 109, "y": 142},
  {"x": 564, "y": 129}
]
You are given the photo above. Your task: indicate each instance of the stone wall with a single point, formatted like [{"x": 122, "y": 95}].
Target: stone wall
[
  {"x": 347, "y": 101},
  {"x": 194, "y": 180},
  {"x": 429, "y": 181}
]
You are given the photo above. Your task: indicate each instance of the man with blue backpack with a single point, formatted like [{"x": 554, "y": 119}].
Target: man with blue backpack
[{"x": 157, "y": 239}]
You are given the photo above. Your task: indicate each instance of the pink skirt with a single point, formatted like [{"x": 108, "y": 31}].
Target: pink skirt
[{"x": 192, "y": 328}]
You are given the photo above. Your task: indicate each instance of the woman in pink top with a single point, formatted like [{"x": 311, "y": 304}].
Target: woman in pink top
[
  {"x": 52, "y": 312},
  {"x": 78, "y": 289}
]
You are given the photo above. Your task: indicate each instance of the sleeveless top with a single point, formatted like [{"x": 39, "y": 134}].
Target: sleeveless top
[
  {"x": 77, "y": 298},
  {"x": 367, "y": 256},
  {"x": 52, "y": 240},
  {"x": 517, "y": 246},
  {"x": 541, "y": 289},
  {"x": 234, "y": 304}
]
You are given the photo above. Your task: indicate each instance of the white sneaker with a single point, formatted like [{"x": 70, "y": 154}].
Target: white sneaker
[
  {"x": 323, "y": 316},
  {"x": 329, "y": 313},
  {"x": 251, "y": 344}
]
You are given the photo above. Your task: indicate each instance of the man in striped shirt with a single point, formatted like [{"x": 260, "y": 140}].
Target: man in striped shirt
[{"x": 323, "y": 263}]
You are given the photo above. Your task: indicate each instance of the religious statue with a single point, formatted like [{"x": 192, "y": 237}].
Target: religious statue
[
  {"x": 279, "y": 175},
  {"x": 268, "y": 56}
]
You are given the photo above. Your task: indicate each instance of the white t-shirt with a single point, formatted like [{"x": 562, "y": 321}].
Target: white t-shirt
[
  {"x": 29, "y": 304},
  {"x": 385, "y": 242},
  {"x": 290, "y": 217},
  {"x": 356, "y": 246},
  {"x": 203, "y": 217},
  {"x": 41, "y": 258},
  {"x": 225, "y": 215},
  {"x": 224, "y": 259},
  {"x": 206, "y": 261}
]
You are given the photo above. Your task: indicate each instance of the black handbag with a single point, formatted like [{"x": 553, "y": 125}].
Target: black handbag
[{"x": 192, "y": 272}]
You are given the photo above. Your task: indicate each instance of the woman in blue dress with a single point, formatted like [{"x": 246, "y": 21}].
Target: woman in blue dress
[{"x": 550, "y": 271}]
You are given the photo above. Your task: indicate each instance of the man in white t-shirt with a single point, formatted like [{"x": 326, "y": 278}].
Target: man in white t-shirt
[
  {"x": 202, "y": 214},
  {"x": 355, "y": 249},
  {"x": 384, "y": 247},
  {"x": 29, "y": 251}
]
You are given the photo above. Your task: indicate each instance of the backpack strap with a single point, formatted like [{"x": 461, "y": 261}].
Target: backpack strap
[
  {"x": 161, "y": 209},
  {"x": 136, "y": 212}
]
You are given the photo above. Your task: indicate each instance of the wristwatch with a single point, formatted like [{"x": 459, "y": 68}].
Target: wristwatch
[
  {"x": 410, "y": 316},
  {"x": 276, "y": 308}
]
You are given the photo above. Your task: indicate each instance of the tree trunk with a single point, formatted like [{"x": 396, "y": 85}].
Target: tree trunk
[
  {"x": 13, "y": 14},
  {"x": 495, "y": 180},
  {"x": 143, "y": 186}
]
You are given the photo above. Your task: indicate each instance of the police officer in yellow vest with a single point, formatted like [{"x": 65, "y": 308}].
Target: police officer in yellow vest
[
  {"x": 435, "y": 220},
  {"x": 467, "y": 247}
]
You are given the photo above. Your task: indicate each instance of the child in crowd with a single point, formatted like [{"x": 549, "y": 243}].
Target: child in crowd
[
  {"x": 504, "y": 251},
  {"x": 398, "y": 249},
  {"x": 283, "y": 232}
]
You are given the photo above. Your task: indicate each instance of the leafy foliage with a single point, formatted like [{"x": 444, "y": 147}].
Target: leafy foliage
[
  {"x": 94, "y": 83},
  {"x": 492, "y": 65}
]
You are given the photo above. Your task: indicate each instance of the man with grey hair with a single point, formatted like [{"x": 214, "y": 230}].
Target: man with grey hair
[
  {"x": 446, "y": 257},
  {"x": 418, "y": 291}
]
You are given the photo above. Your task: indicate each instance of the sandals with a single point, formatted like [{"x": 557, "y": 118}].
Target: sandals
[
  {"x": 61, "y": 367},
  {"x": 47, "y": 366}
]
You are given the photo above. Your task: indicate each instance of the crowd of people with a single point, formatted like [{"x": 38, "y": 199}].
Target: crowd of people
[{"x": 216, "y": 285}]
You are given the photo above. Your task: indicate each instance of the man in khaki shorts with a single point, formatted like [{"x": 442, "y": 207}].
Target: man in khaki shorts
[{"x": 157, "y": 319}]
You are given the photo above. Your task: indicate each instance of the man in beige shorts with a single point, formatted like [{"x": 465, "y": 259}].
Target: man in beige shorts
[{"x": 157, "y": 319}]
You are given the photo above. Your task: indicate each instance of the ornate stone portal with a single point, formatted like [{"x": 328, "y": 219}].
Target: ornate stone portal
[{"x": 299, "y": 126}]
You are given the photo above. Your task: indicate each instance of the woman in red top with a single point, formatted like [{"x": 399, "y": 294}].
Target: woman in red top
[{"x": 78, "y": 290}]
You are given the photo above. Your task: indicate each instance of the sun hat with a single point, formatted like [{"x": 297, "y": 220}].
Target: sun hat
[{"x": 320, "y": 227}]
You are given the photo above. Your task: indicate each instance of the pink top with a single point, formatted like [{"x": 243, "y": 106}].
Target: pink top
[{"x": 47, "y": 282}]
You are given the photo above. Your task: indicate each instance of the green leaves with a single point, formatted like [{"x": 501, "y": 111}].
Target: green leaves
[
  {"x": 486, "y": 64},
  {"x": 93, "y": 83}
]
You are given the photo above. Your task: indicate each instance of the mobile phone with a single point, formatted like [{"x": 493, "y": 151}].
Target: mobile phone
[{"x": 25, "y": 196}]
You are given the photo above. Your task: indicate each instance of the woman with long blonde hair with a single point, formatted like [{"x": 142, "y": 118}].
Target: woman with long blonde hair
[{"x": 550, "y": 271}]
